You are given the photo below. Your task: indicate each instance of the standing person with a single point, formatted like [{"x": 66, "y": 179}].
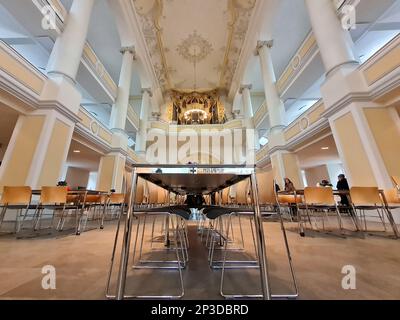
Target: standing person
[
  {"x": 289, "y": 187},
  {"x": 343, "y": 185}
]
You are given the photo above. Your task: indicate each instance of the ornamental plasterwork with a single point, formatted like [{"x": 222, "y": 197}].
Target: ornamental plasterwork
[
  {"x": 240, "y": 12},
  {"x": 150, "y": 13},
  {"x": 194, "y": 48}
]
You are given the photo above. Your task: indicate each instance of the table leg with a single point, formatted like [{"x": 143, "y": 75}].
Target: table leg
[
  {"x": 262, "y": 256},
  {"x": 126, "y": 240}
]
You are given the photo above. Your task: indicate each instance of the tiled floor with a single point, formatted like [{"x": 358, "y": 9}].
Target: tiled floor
[{"x": 82, "y": 263}]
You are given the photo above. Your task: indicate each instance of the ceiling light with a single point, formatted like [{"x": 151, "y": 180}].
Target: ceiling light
[
  {"x": 325, "y": 148},
  {"x": 77, "y": 151}
]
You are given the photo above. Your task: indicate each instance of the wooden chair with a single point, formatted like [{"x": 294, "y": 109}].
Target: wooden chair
[
  {"x": 317, "y": 199},
  {"x": 54, "y": 199},
  {"x": 393, "y": 198},
  {"x": 368, "y": 199},
  {"x": 15, "y": 198}
]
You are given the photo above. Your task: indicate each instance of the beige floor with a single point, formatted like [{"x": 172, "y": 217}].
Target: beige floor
[{"x": 82, "y": 263}]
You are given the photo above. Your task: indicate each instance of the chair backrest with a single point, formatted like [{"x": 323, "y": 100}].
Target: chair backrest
[
  {"x": 319, "y": 196},
  {"x": 16, "y": 195},
  {"x": 225, "y": 196},
  {"x": 152, "y": 193},
  {"x": 117, "y": 198},
  {"x": 365, "y": 196},
  {"x": 157, "y": 195},
  {"x": 73, "y": 198},
  {"x": 139, "y": 198},
  {"x": 242, "y": 192},
  {"x": 392, "y": 196},
  {"x": 162, "y": 196},
  {"x": 92, "y": 198},
  {"x": 217, "y": 197},
  {"x": 265, "y": 188},
  {"x": 289, "y": 199},
  {"x": 53, "y": 195}
]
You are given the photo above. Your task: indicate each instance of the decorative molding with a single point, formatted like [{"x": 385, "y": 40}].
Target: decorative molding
[
  {"x": 194, "y": 40},
  {"x": 240, "y": 16},
  {"x": 148, "y": 91},
  {"x": 130, "y": 49},
  {"x": 382, "y": 63},
  {"x": 245, "y": 86},
  {"x": 303, "y": 56},
  {"x": 261, "y": 44}
]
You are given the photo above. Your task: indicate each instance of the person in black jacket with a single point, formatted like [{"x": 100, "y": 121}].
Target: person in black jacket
[{"x": 343, "y": 185}]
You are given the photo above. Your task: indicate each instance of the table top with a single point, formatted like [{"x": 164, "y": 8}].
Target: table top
[{"x": 194, "y": 179}]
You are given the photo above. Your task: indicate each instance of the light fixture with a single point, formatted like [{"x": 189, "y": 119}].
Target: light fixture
[
  {"x": 325, "y": 148},
  {"x": 77, "y": 151}
]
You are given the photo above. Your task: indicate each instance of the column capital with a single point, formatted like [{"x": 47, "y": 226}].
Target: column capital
[
  {"x": 130, "y": 49},
  {"x": 244, "y": 87},
  {"x": 261, "y": 44},
  {"x": 148, "y": 91}
]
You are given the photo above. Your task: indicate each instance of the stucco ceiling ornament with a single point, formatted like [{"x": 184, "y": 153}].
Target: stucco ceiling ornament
[{"x": 194, "y": 48}]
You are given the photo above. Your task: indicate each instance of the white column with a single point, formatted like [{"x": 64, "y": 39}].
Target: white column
[
  {"x": 248, "y": 113},
  {"x": 120, "y": 109},
  {"x": 276, "y": 109},
  {"x": 141, "y": 138},
  {"x": 247, "y": 104},
  {"x": 67, "y": 52},
  {"x": 334, "y": 41}
]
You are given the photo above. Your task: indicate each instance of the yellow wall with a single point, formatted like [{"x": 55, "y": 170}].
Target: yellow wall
[
  {"x": 54, "y": 160},
  {"x": 275, "y": 170},
  {"x": 387, "y": 137},
  {"x": 27, "y": 140},
  {"x": 105, "y": 176},
  {"x": 292, "y": 169},
  {"x": 119, "y": 174},
  {"x": 111, "y": 175},
  {"x": 353, "y": 152}
]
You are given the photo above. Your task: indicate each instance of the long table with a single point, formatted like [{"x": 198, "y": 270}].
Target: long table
[{"x": 193, "y": 179}]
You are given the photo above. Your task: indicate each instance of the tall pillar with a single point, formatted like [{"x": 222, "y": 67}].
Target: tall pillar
[
  {"x": 120, "y": 109},
  {"x": 67, "y": 52},
  {"x": 111, "y": 172},
  {"x": 286, "y": 165},
  {"x": 37, "y": 150},
  {"x": 248, "y": 113},
  {"x": 334, "y": 41},
  {"x": 112, "y": 166},
  {"x": 141, "y": 139},
  {"x": 360, "y": 129},
  {"x": 40, "y": 142},
  {"x": 368, "y": 140},
  {"x": 276, "y": 108}
]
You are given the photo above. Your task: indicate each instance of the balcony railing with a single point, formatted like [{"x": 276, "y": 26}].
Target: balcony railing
[
  {"x": 305, "y": 121},
  {"x": 18, "y": 70},
  {"x": 93, "y": 127},
  {"x": 383, "y": 63}
]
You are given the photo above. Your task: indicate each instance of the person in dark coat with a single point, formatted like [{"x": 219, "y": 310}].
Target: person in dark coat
[{"x": 343, "y": 185}]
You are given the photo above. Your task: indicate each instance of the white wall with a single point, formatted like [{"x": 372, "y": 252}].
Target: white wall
[{"x": 77, "y": 177}]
